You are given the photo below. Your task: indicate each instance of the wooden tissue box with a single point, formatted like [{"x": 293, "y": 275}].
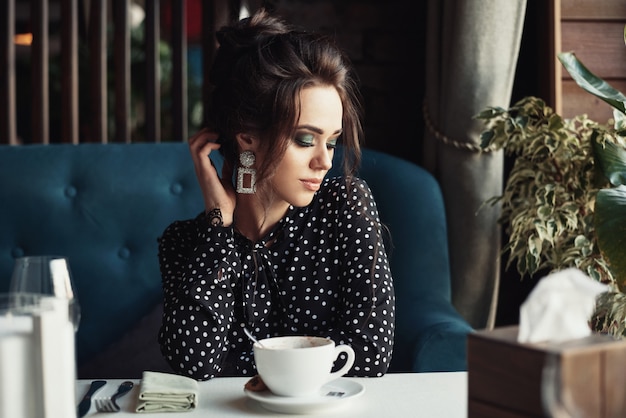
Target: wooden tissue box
[{"x": 505, "y": 377}]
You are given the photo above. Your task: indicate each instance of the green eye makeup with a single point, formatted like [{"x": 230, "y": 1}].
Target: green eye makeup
[
  {"x": 308, "y": 140},
  {"x": 304, "y": 140}
]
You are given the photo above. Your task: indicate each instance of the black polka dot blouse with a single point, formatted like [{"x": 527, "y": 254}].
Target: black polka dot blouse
[{"x": 322, "y": 270}]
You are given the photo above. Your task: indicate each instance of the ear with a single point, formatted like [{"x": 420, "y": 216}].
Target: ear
[{"x": 247, "y": 142}]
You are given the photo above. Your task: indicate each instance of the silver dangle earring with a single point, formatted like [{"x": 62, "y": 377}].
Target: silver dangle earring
[{"x": 246, "y": 176}]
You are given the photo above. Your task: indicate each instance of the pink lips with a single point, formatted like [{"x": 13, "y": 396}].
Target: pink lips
[{"x": 312, "y": 184}]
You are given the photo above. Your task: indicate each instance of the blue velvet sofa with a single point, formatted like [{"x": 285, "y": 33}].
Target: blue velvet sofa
[{"x": 104, "y": 205}]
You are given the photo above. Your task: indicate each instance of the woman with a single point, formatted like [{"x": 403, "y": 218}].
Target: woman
[{"x": 283, "y": 251}]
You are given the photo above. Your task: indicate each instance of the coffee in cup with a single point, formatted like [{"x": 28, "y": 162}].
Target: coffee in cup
[{"x": 299, "y": 365}]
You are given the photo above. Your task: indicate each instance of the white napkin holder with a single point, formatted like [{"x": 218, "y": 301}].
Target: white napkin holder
[{"x": 37, "y": 362}]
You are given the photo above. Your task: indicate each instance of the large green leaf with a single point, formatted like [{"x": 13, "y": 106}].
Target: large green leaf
[
  {"x": 620, "y": 122},
  {"x": 591, "y": 83},
  {"x": 612, "y": 159},
  {"x": 610, "y": 224}
]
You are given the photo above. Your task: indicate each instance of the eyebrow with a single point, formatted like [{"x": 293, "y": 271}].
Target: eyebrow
[{"x": 317, "y": 130}]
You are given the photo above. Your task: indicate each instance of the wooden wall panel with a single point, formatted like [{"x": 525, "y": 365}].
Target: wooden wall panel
[
  {"x": 594, "y": 31},
  {"x": 121, "y": 58},
  {"x": 8, "y": 125},
  {"x": 40, "y": 77},
  {"x": 599, "y": 45},
  {"x": 179, "y": 70},
  {"x": 69, "y": 71},
  {"x": 594, "y": 9},
  {"x": 576, "y": 101},
  {"x": 98, "y": 92},
  {"x": 153, "y": 72},
  {"x": 59, "y": 31}
]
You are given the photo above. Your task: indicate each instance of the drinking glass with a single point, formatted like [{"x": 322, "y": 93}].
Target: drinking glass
[{"x": 47, "y": 275}]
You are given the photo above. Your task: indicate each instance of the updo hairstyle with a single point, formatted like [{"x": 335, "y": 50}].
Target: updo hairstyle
[{"x": 260, "y": 68}]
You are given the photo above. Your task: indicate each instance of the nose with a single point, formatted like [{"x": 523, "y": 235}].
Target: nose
[{"x": 323, "y": 159}]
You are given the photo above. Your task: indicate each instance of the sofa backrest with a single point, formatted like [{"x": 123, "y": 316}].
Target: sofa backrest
[{"x": 104, "y": 205}]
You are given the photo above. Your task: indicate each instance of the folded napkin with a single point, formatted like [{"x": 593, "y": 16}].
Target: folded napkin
[
  {"x": 559, "y": 307},
  {"x": 165, "y": 392}
]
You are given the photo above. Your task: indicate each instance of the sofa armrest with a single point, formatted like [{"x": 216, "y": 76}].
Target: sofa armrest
[{"x": 435, "y": 343}]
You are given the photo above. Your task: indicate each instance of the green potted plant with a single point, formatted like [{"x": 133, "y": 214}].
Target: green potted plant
[{"x": 564, "y": 202}]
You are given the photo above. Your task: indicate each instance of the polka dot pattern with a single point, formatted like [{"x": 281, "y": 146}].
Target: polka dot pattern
[{"x": 322, "y": 270}]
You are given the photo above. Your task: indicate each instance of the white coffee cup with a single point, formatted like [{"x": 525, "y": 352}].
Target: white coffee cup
[{"x": 299, "y": 365}]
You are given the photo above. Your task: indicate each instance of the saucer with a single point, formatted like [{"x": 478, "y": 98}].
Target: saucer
[{"x": 331, "y": 395}]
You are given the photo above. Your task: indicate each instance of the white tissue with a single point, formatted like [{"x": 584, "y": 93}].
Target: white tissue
[{"x": 559, "y": 307}]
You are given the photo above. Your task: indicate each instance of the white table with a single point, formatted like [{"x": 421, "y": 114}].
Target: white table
[{"x": 429, "y": 395}]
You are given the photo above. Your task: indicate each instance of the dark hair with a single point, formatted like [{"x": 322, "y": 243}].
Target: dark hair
[{"x": 261, "y": 66}]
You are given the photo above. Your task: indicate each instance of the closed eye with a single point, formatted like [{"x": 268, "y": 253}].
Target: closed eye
[
  {"x": 305, "y": 140},
  {"x": 308, "y": 134},
  {"x": 332, "y": 143}
]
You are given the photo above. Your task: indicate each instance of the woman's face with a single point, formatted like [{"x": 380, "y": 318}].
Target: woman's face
[{"x": 310, "y": 152}]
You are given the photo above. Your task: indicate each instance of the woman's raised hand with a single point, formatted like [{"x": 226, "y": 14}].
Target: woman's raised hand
[{"x": 218, "y": 192}]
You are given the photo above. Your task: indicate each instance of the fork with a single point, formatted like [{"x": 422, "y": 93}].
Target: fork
[{"x": 110, "y": 404}]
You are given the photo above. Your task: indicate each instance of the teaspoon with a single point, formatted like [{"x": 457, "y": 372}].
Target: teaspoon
[{"x": 249, "y": 334}]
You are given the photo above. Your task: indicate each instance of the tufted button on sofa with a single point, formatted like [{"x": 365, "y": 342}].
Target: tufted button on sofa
[{"x": 104, "y": 205}]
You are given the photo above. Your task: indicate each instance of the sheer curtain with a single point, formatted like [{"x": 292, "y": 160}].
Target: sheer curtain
[{"x": 472, "y": 53}]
